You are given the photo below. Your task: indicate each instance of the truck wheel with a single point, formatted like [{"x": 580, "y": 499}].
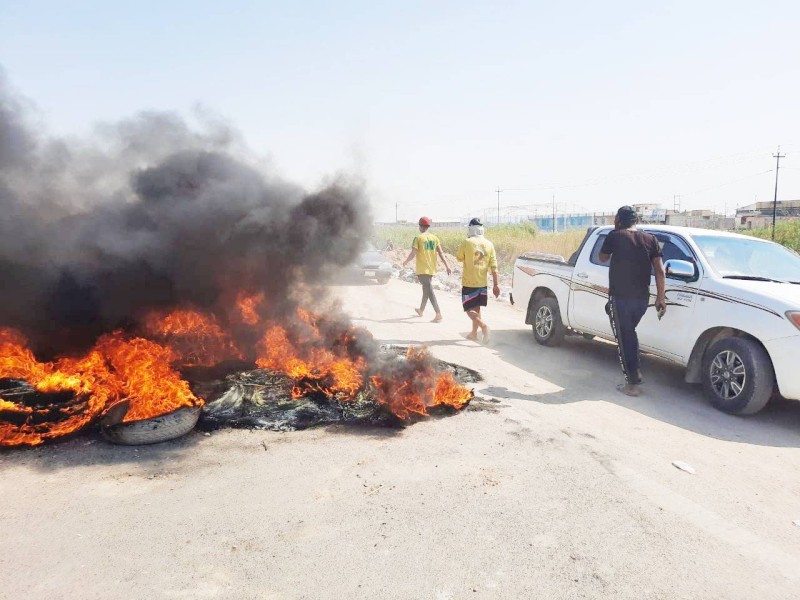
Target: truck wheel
[
  {"x": 383, "y": 279},
  {"x": 738, "y": 376},
  {"x": 547, "y": 326}
]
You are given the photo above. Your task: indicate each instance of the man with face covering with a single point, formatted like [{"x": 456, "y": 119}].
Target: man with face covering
[
  {"x": 634, "y": 254},
  {"x": 478, "y": 255}
]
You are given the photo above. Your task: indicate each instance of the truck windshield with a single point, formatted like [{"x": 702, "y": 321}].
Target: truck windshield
[{"x": 745, "y": 258}]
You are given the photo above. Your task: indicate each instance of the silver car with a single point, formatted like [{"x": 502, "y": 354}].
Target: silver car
[{"x": 372, "y": 263}]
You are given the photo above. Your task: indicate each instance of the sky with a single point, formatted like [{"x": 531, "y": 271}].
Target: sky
[{"x": 438, "y": 104}]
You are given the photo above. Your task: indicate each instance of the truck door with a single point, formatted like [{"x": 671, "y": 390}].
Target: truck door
[
  {"x": 672, "y": 335},
  {"x": 590, "y": 291}
]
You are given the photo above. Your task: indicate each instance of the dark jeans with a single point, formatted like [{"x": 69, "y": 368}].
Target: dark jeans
[
  {"x": 427, "y": 292},
  {"x": 625, "y": 314}
]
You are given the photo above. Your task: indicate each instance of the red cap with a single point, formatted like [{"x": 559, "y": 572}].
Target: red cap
[{"x": 425, "y": 221}]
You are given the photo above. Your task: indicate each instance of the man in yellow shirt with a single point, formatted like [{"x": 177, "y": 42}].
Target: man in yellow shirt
[
  {"x": 478, "y": 255},
  {"x": 425, "y": 247}
]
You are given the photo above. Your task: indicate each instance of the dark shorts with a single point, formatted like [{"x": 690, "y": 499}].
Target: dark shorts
[{"x": 473, "y": 297}]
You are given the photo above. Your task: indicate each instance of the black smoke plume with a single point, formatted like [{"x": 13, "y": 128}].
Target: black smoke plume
[{"x": 151, "y": 214}]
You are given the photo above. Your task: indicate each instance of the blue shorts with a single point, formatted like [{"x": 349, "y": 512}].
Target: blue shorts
[{"x": 472, "y": 297}]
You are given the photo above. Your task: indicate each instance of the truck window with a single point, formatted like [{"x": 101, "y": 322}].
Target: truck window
[
  {"x": 673, "y": 248},
  {"x": 595, "y": 256}
]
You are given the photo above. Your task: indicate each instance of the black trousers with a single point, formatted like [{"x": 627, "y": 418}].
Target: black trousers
[
  {"x": 625, "y": 314},
  {"x": 427, "y": 292}
]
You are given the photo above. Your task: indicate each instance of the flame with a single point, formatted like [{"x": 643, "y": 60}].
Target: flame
[
  {"x": 328, "y": 371},
  {"x": 115, "y": 369},
  {"x": 247, "y": 306},
  {"x": 420, "y": 388},
  {"x": 195, "y": 338},
  {"x": 145, "y": 377},
  {"x": 320, "y": 356}
]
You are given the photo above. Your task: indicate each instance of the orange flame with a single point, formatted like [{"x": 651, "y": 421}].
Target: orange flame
[
  {"x": 195, "y": 338},
  {"x": 423, "y": 388},
  {"x": 322, "y": 370},
  {"x": 115, "y": 369},
  {"x": 247, "y": 305},
  {"x": 145, "y": 377},
  {"x": 140, "y": 370}
]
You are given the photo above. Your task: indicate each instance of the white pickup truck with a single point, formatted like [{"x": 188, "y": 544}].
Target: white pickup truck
[{"x": 733, "y": 309}]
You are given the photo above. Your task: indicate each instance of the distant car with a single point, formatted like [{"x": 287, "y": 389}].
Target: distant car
[{"x": 372, "y": 263}]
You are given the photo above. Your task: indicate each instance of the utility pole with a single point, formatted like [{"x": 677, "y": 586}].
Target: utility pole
[
  {"x": 554, "y": 213},
  {"x": 777, "y": 158},
  {"x": 498, "y": 204},
  {"x": 395, "y": 212}
]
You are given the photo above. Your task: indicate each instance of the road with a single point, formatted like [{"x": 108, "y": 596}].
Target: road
[{"x": 553, "y": 486}]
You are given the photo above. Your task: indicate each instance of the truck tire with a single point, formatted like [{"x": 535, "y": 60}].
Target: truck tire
[
  {"x": 383, "y": 279},
  {"x": 155, "y": 430},
  {"x": 738, "y": 376},
  {"x": 547, "y": 326}
]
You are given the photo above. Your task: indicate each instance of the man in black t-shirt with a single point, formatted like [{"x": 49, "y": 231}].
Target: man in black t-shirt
[{"x": 633, "y": 253}]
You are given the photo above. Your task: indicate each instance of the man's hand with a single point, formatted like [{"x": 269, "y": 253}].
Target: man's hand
[
  {"x": 496, "y": 291},
  {"x": 661, "y": 305},
  {"x": 447, "y": 268}
]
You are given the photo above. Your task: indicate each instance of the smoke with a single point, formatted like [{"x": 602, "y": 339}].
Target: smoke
[{"x": 151, "y": 213}]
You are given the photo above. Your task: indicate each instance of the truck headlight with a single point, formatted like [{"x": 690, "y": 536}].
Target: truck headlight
[{"x": 794, "y": 317}]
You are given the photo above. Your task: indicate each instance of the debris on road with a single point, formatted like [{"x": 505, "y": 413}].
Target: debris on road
[{"x": 679, "y": 464}]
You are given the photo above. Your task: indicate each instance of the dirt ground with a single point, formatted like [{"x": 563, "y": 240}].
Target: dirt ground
[{"x": 553, "y": 485}]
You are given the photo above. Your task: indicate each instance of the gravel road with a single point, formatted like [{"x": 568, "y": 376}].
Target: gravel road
[{"x": 552, "y": 485}]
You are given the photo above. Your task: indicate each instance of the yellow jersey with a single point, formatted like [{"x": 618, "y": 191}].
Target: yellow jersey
[
  {"x": 425, "y": 244},
  {"x": 478, "y": 256}
]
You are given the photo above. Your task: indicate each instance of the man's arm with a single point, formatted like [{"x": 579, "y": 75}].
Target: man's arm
[
  {"x": 413, "y": 252},
  {"x": 411, "y": 255},
  {"x": 495, "y": 278},
  {"x": 496, "y": 286},
  {"x": 661, "y": 280},
  {"x": 460, "y": 254},
  {"x": 607, "y": 250},
  {"x": 444, "y": 260}
]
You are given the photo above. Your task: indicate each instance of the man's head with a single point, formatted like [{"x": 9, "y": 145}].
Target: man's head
[
  {"x": 475, "y": 227},
  {"x": 626, "y": 218},
  {"x": 424, "y": 223}
]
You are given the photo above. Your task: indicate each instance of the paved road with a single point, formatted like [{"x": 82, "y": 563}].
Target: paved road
[{"x": 561, "y": 488}]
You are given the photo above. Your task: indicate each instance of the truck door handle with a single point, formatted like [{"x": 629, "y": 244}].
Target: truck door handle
[{"x": 583, "y": 275}]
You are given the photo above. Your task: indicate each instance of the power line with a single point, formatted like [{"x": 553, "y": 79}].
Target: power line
[{"x": 777, "y": 158}]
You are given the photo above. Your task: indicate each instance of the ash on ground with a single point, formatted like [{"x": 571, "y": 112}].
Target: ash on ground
[{"x": 262, "y": 399}]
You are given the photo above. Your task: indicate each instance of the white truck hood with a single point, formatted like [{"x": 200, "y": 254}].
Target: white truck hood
[{"x": 777, "y": 296}]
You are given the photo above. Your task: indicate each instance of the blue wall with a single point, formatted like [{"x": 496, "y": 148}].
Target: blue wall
[{"x": 563, "y": 222}]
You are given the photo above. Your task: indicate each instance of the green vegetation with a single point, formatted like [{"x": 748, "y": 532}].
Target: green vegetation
[
  {"x": 787, "y": 233},
  {"x": 509, "y": 240},
  {"x": 513, "y": 240}
]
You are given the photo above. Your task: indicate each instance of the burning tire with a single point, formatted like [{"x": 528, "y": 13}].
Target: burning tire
[{"x": 152, "y": 431}]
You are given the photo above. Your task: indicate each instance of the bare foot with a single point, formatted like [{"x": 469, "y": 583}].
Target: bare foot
[
  {"x": 485, "y": 332},
  {"x": 630, "y": 390},
  {"x": 437, "y": 319},
  {"x": 472, "y": 336},
  {"x": 418, "y": 311}
]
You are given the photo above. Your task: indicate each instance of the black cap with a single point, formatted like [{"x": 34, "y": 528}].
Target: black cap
[
  {"x": 626, "y": 211},
  {"x": 627, "y": 216},
  {"x": 475, "y": 221}
]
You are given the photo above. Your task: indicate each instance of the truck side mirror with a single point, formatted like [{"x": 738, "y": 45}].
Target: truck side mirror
[{"x": 680, "y": 269}]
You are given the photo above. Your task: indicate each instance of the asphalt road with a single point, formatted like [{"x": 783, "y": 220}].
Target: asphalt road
[{"x": 553, "y": 485}]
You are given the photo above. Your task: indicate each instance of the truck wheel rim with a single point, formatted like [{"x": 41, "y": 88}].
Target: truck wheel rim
[
  {"x": 544, "y": 321},
  {"x": 728, "y": 375}
]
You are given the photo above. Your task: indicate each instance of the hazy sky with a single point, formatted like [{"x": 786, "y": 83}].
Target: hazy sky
[{"x": 438, "y": 103}]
